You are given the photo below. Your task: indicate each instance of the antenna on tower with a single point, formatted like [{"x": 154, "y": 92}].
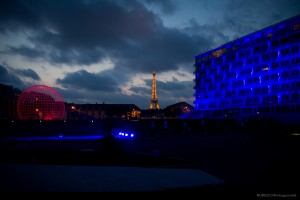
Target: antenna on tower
[{"x": 154, "y": 101}]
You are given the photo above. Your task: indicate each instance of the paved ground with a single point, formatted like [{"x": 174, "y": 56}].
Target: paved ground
[
  {"x": 248, "y": 166},
  {"x": 252, "y": 165}
]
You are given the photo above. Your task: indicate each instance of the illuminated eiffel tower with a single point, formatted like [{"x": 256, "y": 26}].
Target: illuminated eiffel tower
[{"x": 154, "y": 101}]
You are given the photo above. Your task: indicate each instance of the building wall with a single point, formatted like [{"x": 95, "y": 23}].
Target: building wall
[
  {"x": 103, "y": 111},
  {"x": 258, "y": 73},
  {"x": 8, "y": 102}
]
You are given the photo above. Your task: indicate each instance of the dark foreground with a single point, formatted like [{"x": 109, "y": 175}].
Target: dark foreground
[{"x": 249, "y": 166}]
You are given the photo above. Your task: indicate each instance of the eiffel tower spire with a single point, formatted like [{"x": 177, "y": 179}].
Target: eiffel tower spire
[{"x": 154, "y": 101}]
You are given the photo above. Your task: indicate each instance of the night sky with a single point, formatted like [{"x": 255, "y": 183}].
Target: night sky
[{"x": 95, "y": 51}]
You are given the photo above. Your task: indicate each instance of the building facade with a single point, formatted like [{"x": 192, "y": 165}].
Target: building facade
[
  {"x": 8, "y": 102},
  {"x": 253, "y": 75},
  {"x": 102, "y": 111}
]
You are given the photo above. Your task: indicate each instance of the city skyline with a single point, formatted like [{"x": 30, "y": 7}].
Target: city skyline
[{"x": 106, "y": 51}]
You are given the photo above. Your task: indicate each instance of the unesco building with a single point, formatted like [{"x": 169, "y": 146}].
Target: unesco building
[{"x": 258, "y": 74}]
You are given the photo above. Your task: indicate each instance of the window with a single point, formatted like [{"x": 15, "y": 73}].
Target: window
[
  {"x": 285, "y": 51},
  {"x": 275, "y": 44},
  {"x": 264, "y": 47},
  {"x": 274, "y": 55},
  {"x": 296, "y": 26},
  {"x": 285, "y": 74},
  {"x": 256, "y": 49},
  {"x": 266, "y": 57},
  {"x": 249, "y": 61},
  {"x": 295, "y": 73},
  {"x": 219, "y": 77},
  {"x": 225, "y": 67},
  {"x": 275, "y": 88},
  {"x": 275, "y": 65},
  {"x": 285, "y": 63},
  {"x": 295, "y": 49},
  {"x": 256, "y": 60},
  {"x": 265, "y": 68}
]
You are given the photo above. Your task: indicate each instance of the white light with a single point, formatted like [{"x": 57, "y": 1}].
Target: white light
[
  {"x": 126, "y": 134},
  {"x": 131, "y": 135}
]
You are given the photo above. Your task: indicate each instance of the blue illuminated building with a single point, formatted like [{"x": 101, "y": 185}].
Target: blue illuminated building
[{"x": 258, "y": 74}]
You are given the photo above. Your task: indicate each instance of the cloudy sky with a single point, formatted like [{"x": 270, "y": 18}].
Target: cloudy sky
[{"x": 106, "y": 50}]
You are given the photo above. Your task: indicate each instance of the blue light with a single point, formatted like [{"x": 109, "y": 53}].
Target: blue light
[
  {"x": 46, "y": 138},
  {"x": 254, "y": 79},
  {"x": 125, "y": 134}
]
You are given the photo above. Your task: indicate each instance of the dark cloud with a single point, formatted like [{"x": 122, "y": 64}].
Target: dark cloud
[
  {"x": 28, "y": 52},
  {"x": 162, "y": 52},
  {"x": 17, "y": 14},
  {"x": 78, "y": 32},
  {"x": 29, "y": 73},
  {"x": 239, "y": 18},
  {"x": 8, "y": 78},
  {"x": 167, "y": 6},
  {"x": 206, "y": 31},
  {"x": 85, "y": 80},
  {"x": 244, "y": 17},
  {"x": 175, "y": 91},
  {"x": 86, "y": 32},
  {"x": 87, "y": 96}
]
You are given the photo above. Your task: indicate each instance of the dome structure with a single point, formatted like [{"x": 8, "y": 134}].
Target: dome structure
[{"x": 40, "y": 102}]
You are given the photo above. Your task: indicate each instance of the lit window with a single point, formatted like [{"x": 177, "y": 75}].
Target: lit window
[{"x": 296, "y": 26}]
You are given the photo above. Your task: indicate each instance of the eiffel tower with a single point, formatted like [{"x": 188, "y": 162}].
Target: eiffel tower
[{"x": 154, "y": 101}]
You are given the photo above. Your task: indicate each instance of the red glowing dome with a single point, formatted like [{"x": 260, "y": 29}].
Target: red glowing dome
[{"x": 40, "y": 102}]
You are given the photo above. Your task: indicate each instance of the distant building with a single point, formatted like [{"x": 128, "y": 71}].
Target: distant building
[
  {"x": 178, "y": 110},
  {"x": 258, "y": 74},
  {"x": 175, "y": 111},
  {"x": 103, "y": 111},
  {"x": 8, "y": 102}
]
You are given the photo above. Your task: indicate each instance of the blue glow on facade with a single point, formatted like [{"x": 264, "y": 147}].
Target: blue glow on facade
[{"x": 258, "y": 73}]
